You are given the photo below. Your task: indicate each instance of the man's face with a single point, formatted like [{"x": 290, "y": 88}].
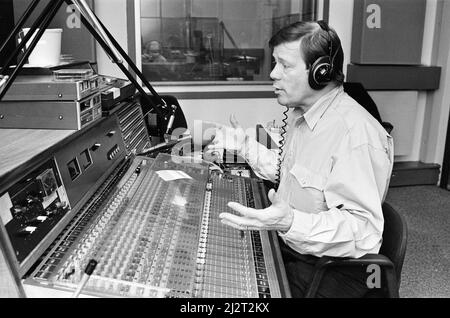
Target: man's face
[
  {"x": 154, "y": 49},
  {"x": 290, "y": 76}
]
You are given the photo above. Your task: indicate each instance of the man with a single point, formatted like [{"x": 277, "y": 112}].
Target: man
[
  {"x": 334, "y": 168},
  {"x": 152, "y": 53}
]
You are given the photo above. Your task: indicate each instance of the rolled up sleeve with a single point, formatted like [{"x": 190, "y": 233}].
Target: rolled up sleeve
[{"x": 262, "y": 160}]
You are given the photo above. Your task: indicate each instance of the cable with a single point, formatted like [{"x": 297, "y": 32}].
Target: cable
[
  {"x": 87, "y": 274},
  {"x": 282, "y": 141},
  {"x": 214, "y": 166}
]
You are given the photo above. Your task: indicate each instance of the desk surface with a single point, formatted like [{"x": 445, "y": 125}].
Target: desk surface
[{"x": 19, "y": 145}]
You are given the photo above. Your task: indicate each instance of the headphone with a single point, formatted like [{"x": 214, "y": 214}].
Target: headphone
[{"x": 321, "y": 71}]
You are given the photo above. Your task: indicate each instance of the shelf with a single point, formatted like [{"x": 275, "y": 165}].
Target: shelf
[
  {"x": 395, "y": 77},
  {"x": 409, "y": 173}
]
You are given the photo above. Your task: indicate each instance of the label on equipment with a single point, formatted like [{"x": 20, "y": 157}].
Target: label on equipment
[{"x": 5, "y": 208}]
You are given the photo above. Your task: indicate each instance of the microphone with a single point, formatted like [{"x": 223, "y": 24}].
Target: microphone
[
  {"x": 167, "y": 137},
  {"x": 171, "y": 119}
]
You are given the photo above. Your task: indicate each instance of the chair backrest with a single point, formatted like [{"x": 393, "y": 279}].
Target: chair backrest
[
  {"x": 359, "y": 93},
  {"x": 395, "y": 237}
]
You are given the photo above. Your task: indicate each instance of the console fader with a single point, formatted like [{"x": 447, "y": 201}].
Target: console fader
[{"x": 157, "y": 237}]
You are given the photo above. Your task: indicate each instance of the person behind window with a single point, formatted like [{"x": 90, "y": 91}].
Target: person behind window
[
  {"x": 333, "y": 171},
  {"x": 152, "y": 53}
]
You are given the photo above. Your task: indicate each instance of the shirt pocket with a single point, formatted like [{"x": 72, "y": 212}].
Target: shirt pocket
[{"x": 306, "y": 191}]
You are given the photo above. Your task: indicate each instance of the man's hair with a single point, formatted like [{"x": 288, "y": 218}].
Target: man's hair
[{"x": 315, "y": 42}]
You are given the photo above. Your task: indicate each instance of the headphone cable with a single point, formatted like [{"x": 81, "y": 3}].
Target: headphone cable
[{"x": 282, "y": 142}]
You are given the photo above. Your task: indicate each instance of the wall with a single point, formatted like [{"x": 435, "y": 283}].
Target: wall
[
  {"x": 340, "y": 18},
  {"x": 404, "y": 109},
  {"x": 112, "y": 13},
  {"x": 438, "y": 103}
]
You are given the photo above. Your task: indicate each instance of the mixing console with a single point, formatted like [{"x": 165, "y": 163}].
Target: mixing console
[{"x": 154, "y": 237}]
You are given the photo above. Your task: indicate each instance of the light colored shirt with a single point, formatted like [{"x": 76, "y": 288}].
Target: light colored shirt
[{"x": 336, "y": 166}]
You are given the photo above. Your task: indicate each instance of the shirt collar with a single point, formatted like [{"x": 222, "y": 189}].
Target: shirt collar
[{"x": 316, "y": 111}]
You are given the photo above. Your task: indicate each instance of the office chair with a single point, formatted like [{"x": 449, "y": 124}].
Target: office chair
[
  {"x": 390, "y": 258},
  {"x": 359, "y": 93}
]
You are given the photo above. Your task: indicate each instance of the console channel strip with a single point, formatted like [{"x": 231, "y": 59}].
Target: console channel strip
[
  {"x": 155, "y": 235},
  {"x": 132, "y": 125}
]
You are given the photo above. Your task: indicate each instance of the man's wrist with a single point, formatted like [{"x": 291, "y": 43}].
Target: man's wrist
[
  {"x": 244, "y": 147},
  {"x": 289, "y": 219}
]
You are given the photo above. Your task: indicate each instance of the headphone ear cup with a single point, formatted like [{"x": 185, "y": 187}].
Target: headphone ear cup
[{"x": 320, "y": 73}]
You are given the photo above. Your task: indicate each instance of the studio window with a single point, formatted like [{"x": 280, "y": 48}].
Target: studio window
[{"x": 213, "y": 40}]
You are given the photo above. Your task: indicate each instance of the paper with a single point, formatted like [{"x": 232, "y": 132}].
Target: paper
[
  {"x": 5, "y": 208},
  {"x": 115, "y": 91},
  {"x": 169, "y": 175}
]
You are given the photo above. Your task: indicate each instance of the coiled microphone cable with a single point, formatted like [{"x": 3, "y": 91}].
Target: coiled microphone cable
[{"x": 282, "y": 141}]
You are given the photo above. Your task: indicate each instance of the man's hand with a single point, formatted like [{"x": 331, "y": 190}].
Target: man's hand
[
  {"x": 230, "y": 138},
  {"x": 278, "y": 216}
]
